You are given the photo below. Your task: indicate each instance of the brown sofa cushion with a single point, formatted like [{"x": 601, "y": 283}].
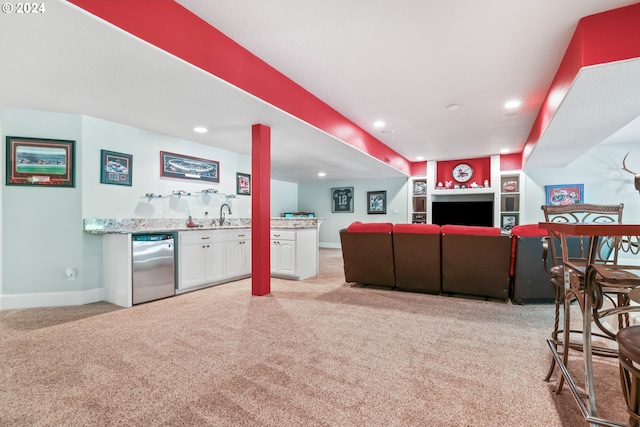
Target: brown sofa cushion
[
  {"x": 476, "y": 264},
  {"x": 367, "y": 254},
  {"x": 416, "y": 253}
]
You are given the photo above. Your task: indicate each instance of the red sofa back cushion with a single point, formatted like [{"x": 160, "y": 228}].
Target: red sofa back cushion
[
  {"x": 470, "y": 229},
  {"x": 370, "y": 227},
  {"x": 417, "y": 228}
]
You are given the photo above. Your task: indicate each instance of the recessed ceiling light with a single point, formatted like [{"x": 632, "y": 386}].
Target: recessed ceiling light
[
  {"x": 379, "y": 124},
  {"x": 419, "y": 158},
  {"x": 452, "y": 107},
  {"x": 322, "y": 174},
  {"x": 504, "y": 151},
  {"x": 515, "y": 103},
  {"x": 200, "y": 129}
]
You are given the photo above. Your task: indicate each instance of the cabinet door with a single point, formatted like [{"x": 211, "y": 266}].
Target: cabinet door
[
  {"x": 286, "y": 257},
  {"x": 215, "y": 261},
  {"x": 191, "y": 266},
  {"x": 234, "y": 258},
  {"x": 274, "y": 256},
  {"x": 245, "y": 265}
]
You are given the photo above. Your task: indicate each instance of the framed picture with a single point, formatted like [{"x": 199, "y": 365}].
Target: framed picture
[
  {"x": 186, "y": 167},
  {"x": 509, "y": 221},
  {"x": 116, "y": 168},
  {"x": 243, "y": 183},
  {"x": 40, "y": 162},
  {"x": 420, "y": 187},
  {"x": 342, "y": 199},
  {"x": 376, "y": 202},
  {"x": 569, "y": 194}
]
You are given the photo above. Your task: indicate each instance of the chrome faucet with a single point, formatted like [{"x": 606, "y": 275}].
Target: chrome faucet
[{"x": 222, "y": 212}]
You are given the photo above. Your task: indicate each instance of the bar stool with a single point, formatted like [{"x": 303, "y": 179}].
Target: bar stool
[{"x": 629, "y": 358}]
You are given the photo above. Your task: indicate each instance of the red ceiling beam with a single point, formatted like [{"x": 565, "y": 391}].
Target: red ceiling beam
[
  {"x": 174, "y": 29},
  {"x": 601, "y": 38}
]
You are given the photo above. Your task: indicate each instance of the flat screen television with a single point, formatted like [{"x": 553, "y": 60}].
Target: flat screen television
[{"x": 479, "y": 213}]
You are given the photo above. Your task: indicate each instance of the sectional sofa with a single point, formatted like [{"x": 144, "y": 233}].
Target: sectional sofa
[{"x": 448, "y": 259}]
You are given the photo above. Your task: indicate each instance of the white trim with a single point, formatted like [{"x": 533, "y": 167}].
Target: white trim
[
  {"x": 330, "y": 245},
  {"x": 50, "y": 299}
]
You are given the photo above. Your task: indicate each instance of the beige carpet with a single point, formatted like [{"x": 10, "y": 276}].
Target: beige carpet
[{"x": 318, "y": 352}]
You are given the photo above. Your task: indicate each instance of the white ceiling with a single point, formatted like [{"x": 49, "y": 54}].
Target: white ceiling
[{"x": 402, "y": 62}]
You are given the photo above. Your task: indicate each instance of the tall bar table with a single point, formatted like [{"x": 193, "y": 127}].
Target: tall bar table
[{"x": 594, "y": 231}]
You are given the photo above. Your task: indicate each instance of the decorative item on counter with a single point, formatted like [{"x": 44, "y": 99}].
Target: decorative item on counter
[
  {"x": 448, "y": 185},
  {"x": 456, "y": 186},
  {"x": 510, "y": 186},
  {"x": 191, "y": 223},
  {"x": 486, "y": 183},
  {"x": 473, "y": 185},
  {"x": 439, "y": 186}
]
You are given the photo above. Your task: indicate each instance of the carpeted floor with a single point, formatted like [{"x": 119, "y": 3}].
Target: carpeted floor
[{"x": 319, "y": 352}]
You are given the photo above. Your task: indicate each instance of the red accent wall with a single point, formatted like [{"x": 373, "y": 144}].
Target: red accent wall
[
  {"x": 419, "y": 169},
  {"x": 481, "y": 167},
  {"x": 510, "y": 162},
  {"x": 605, "y": 37},
  {"x": 174, "y": 29}
]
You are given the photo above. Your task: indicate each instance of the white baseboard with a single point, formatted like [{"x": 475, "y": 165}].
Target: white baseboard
[
  {"x": 330, "y": 245},
  {"x": 50, "y": 299}
]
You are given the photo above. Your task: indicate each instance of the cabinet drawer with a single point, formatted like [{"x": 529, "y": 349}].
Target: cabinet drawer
[
  {"x": 283, "y": 235},
  {"x": 240, "y": 234},
  {"x": 193, "y": 237}
]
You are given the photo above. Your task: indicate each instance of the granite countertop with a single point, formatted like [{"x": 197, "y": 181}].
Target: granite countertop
[{"x": 150, "y": 225}]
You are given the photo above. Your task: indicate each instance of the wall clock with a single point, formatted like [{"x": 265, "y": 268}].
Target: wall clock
[{"x": 462, "y": 172}]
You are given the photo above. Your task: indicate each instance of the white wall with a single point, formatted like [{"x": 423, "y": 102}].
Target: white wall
[
  {"x": 42, "y": 226},
  {"x": 600, "y": 170},
  {"x": 118, "y": 201},
  {"x": 284, "y": 197},
  {"x": 316, "y": 197}
]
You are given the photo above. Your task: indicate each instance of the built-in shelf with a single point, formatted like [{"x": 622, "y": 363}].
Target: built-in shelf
[
  {"x": 418, "y": 208},
  {"x": 510, "y": 206}
]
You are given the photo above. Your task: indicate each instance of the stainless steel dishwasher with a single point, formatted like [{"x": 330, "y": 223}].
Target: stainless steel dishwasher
[{"x": 153, "y": 266}]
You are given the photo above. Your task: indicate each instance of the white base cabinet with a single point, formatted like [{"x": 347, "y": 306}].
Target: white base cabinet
[
  {"x": 294, "y": 253},
  {"x": 238, "y": 248},
  {"x": 209, "y": 257}
]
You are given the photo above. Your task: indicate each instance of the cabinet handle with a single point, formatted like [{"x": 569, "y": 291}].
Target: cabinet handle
[
  {"x": 204, "y": 238},
  {"x": 276, "y": 235},
  {"x": 240, "y": 235}
]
